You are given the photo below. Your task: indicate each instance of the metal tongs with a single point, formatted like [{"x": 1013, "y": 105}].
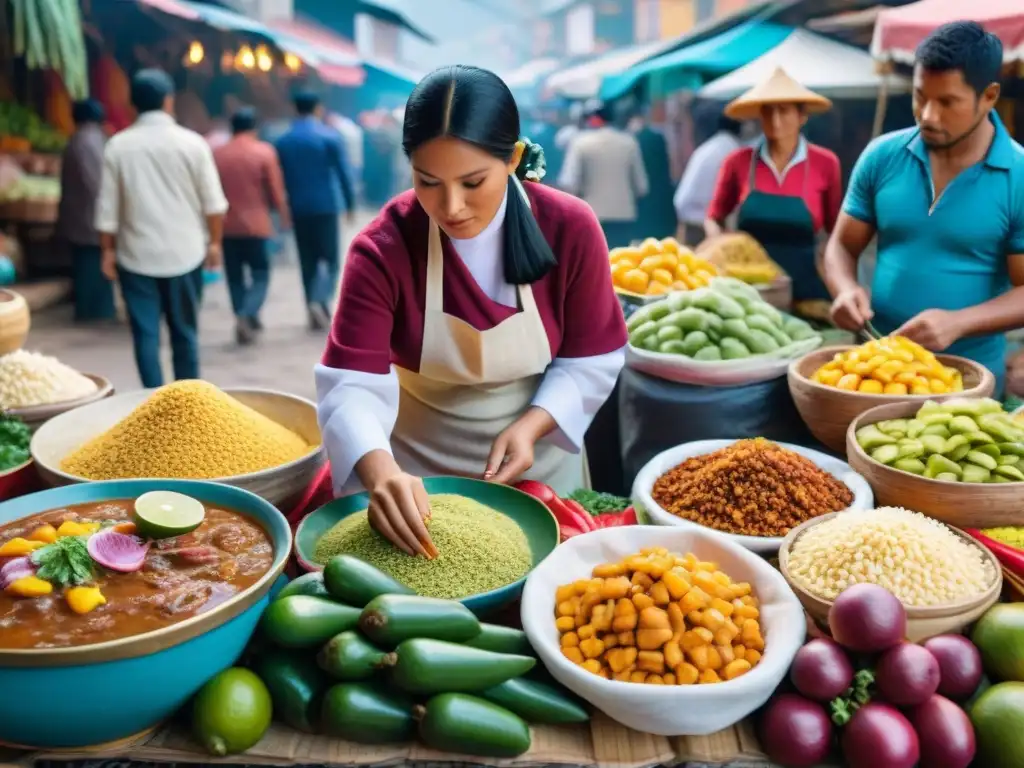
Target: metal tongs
[{"x": 871, "y": 331}]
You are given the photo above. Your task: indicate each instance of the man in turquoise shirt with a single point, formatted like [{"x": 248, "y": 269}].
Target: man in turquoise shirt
[{"x": 946, "y": 200}]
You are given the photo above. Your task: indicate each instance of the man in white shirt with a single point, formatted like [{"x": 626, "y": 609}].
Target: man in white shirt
[
  {"x": 160, "y": 216},
  {"x": 697, "y": 185},
  {"x": 605, "y": 168}
]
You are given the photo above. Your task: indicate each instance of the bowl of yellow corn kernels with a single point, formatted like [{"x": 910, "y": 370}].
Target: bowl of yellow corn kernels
[
  {"x": 832, "y": 386},
  {"x": 675, "y": 632}
]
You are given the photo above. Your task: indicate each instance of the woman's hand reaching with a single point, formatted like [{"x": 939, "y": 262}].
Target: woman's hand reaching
[
  {"x": 399, "y": 507},
  {"x": 512, "y": 452}
]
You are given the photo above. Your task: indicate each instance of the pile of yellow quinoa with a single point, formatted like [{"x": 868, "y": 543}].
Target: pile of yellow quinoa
[
  {"x": 479, "y": 549},
  {"x": 187, "y": 430}
]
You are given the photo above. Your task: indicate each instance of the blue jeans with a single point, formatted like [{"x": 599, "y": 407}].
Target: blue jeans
[
  {"x": 248, "y": 291},
  {"x": 317, "y": 241},
  {"x": 176, "y": 300},
  {"x": 94, "y": 294}
]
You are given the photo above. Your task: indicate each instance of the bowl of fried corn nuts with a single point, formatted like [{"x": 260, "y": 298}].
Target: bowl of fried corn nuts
[{"x": 671, "y": 631}]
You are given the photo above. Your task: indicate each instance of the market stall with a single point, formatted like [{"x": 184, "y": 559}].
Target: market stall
[
  {"x": 898, "y": 31},
  {"x": 582, "y": 81},
  {"x": 778, "y": 605}
]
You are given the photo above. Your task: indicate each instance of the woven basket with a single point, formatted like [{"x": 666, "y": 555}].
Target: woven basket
[
  {"x": 15, "y": 320},
  {"x": 964, "y": 505},
  {"x": 828, "y": 411}
]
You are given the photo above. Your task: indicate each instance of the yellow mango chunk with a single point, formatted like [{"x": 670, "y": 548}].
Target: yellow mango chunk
[
  {"x": 19, "y": 547},
  {"x": 29, "y": 586},
  {"x": 82, "y": 600},
  {"x": 44, "y": 533},
  {"x": 71, "y": 528}
]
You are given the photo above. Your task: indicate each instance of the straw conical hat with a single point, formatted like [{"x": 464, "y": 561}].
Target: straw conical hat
[{"x": 780, "y": 88}]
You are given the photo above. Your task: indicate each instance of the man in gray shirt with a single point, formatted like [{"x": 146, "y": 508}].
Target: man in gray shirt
[{"x": 80, "y": 177}]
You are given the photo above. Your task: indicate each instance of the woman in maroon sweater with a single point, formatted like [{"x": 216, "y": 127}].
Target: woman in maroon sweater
[{"x": 477, "y": 332}]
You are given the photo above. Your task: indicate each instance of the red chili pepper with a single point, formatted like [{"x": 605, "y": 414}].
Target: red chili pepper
[
  {"x": 539, "y": 491},
  {"x": 566, "y": 515},
  {"x": 574, "y": 513},
  {"x": 1011, "y": 557},
  {"x": 615, "y": 519}
]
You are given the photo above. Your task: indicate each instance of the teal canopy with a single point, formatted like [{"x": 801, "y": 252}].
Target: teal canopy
[{"x": 691, "y": 67}]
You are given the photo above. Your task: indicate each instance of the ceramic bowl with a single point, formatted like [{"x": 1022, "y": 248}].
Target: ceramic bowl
[
  {"x": 19, "y": 480},
  {"x": 923, "y": 622},
  {"x": 964, "y": 505},
  {"x": 94, "y": 694},
  {"x": 828, "y": 411},
  {"x": 643, "y": 488},
  {"x": 36, "y": 415},
  {"x": 278, "y": 485},
  {"x": 675, "y": 710},
  {"x": 532, "y": 516}
]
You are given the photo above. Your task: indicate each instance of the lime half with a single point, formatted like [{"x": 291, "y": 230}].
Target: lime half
[{"x": 166, "y": 514}]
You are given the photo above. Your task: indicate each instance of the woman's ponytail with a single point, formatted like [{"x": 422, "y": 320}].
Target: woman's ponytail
[{"x": 527, "y": 257}]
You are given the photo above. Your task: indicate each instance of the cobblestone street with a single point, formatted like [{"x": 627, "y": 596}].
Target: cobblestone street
[{"x": 282, "y": 359}]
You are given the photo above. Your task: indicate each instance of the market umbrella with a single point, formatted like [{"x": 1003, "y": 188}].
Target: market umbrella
[
  {"x": 898, "y": 31},
  {"x": 828, "y": 67}
]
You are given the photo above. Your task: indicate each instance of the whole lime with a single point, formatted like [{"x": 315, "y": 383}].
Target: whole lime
[
  {"x": 231, "y": 712},
  {"x": 998, "y": 718}
]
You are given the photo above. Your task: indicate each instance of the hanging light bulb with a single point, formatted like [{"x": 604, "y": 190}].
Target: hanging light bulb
[
  {"x": 245, "y": 59},
  {"x": 227, "y": 61},
  {"x": 195, "y": 54},
  {"x": 293, "y": 62},
  {"x": 264, "y": 61}
]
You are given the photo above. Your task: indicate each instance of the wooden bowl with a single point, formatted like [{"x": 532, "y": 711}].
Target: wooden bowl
[
  {"x": 37, "y": 415},
  {"x": 15, "y": 320},
  {"x": 964, "y": 505},
  {"x": 828, "y": 411},
  {"x": 923, "y": 622},
  {"x": 279, "y": 485}
]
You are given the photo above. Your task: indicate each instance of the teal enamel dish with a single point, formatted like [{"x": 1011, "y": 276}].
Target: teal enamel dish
[
  {"x": 83, "y": 696},
  {"x": 529, "y": 514}
]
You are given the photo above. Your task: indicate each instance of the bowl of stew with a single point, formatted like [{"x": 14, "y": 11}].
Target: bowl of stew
[{"x": 80, "y": 679}]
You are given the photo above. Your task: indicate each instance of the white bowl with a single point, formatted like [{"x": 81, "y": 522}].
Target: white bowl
[
  {"x": 674, "y": 710},
  {"x": 643, "y": 488},
  {"x": 281, "y": 485}
]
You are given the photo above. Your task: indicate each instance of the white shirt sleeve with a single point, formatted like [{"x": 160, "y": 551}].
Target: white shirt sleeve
[
  {"x": 108, "y": 204},
  {"x": 573, "y": 390},
  {"x": 357, "y": 413}
]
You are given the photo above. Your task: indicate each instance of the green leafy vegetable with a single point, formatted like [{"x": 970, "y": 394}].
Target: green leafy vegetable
[
  {"x": 14, "y": 440},
  {"x": 597, "y": 503},
  {"x": 66, "y": 562}
]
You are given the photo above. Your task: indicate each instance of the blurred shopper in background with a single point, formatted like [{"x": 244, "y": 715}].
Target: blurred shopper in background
[
  {"x": 604, "y": 167},
  {"x": 80, "y": 177},
  {"x": 319, "y": 185},
  {"x": 251, "y": 176},
  {"x": 656, "y": 217},
  {"x": 697, "y": 186},
  {"x": 160, "y": 215}
]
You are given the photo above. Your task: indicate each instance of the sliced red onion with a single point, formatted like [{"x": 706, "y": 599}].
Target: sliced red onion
[
  {"x": 15, "y": 569},
  {"x": 117, "y": 551}
]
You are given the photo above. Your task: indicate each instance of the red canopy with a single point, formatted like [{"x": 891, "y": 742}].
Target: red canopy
[{"x": 899, "y": 30}]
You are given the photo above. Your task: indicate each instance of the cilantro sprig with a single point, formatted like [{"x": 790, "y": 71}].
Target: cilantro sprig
[{"x": 65, "y": 562}]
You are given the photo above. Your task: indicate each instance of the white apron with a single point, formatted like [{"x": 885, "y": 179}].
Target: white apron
[{"x": 472, "y": 385}]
